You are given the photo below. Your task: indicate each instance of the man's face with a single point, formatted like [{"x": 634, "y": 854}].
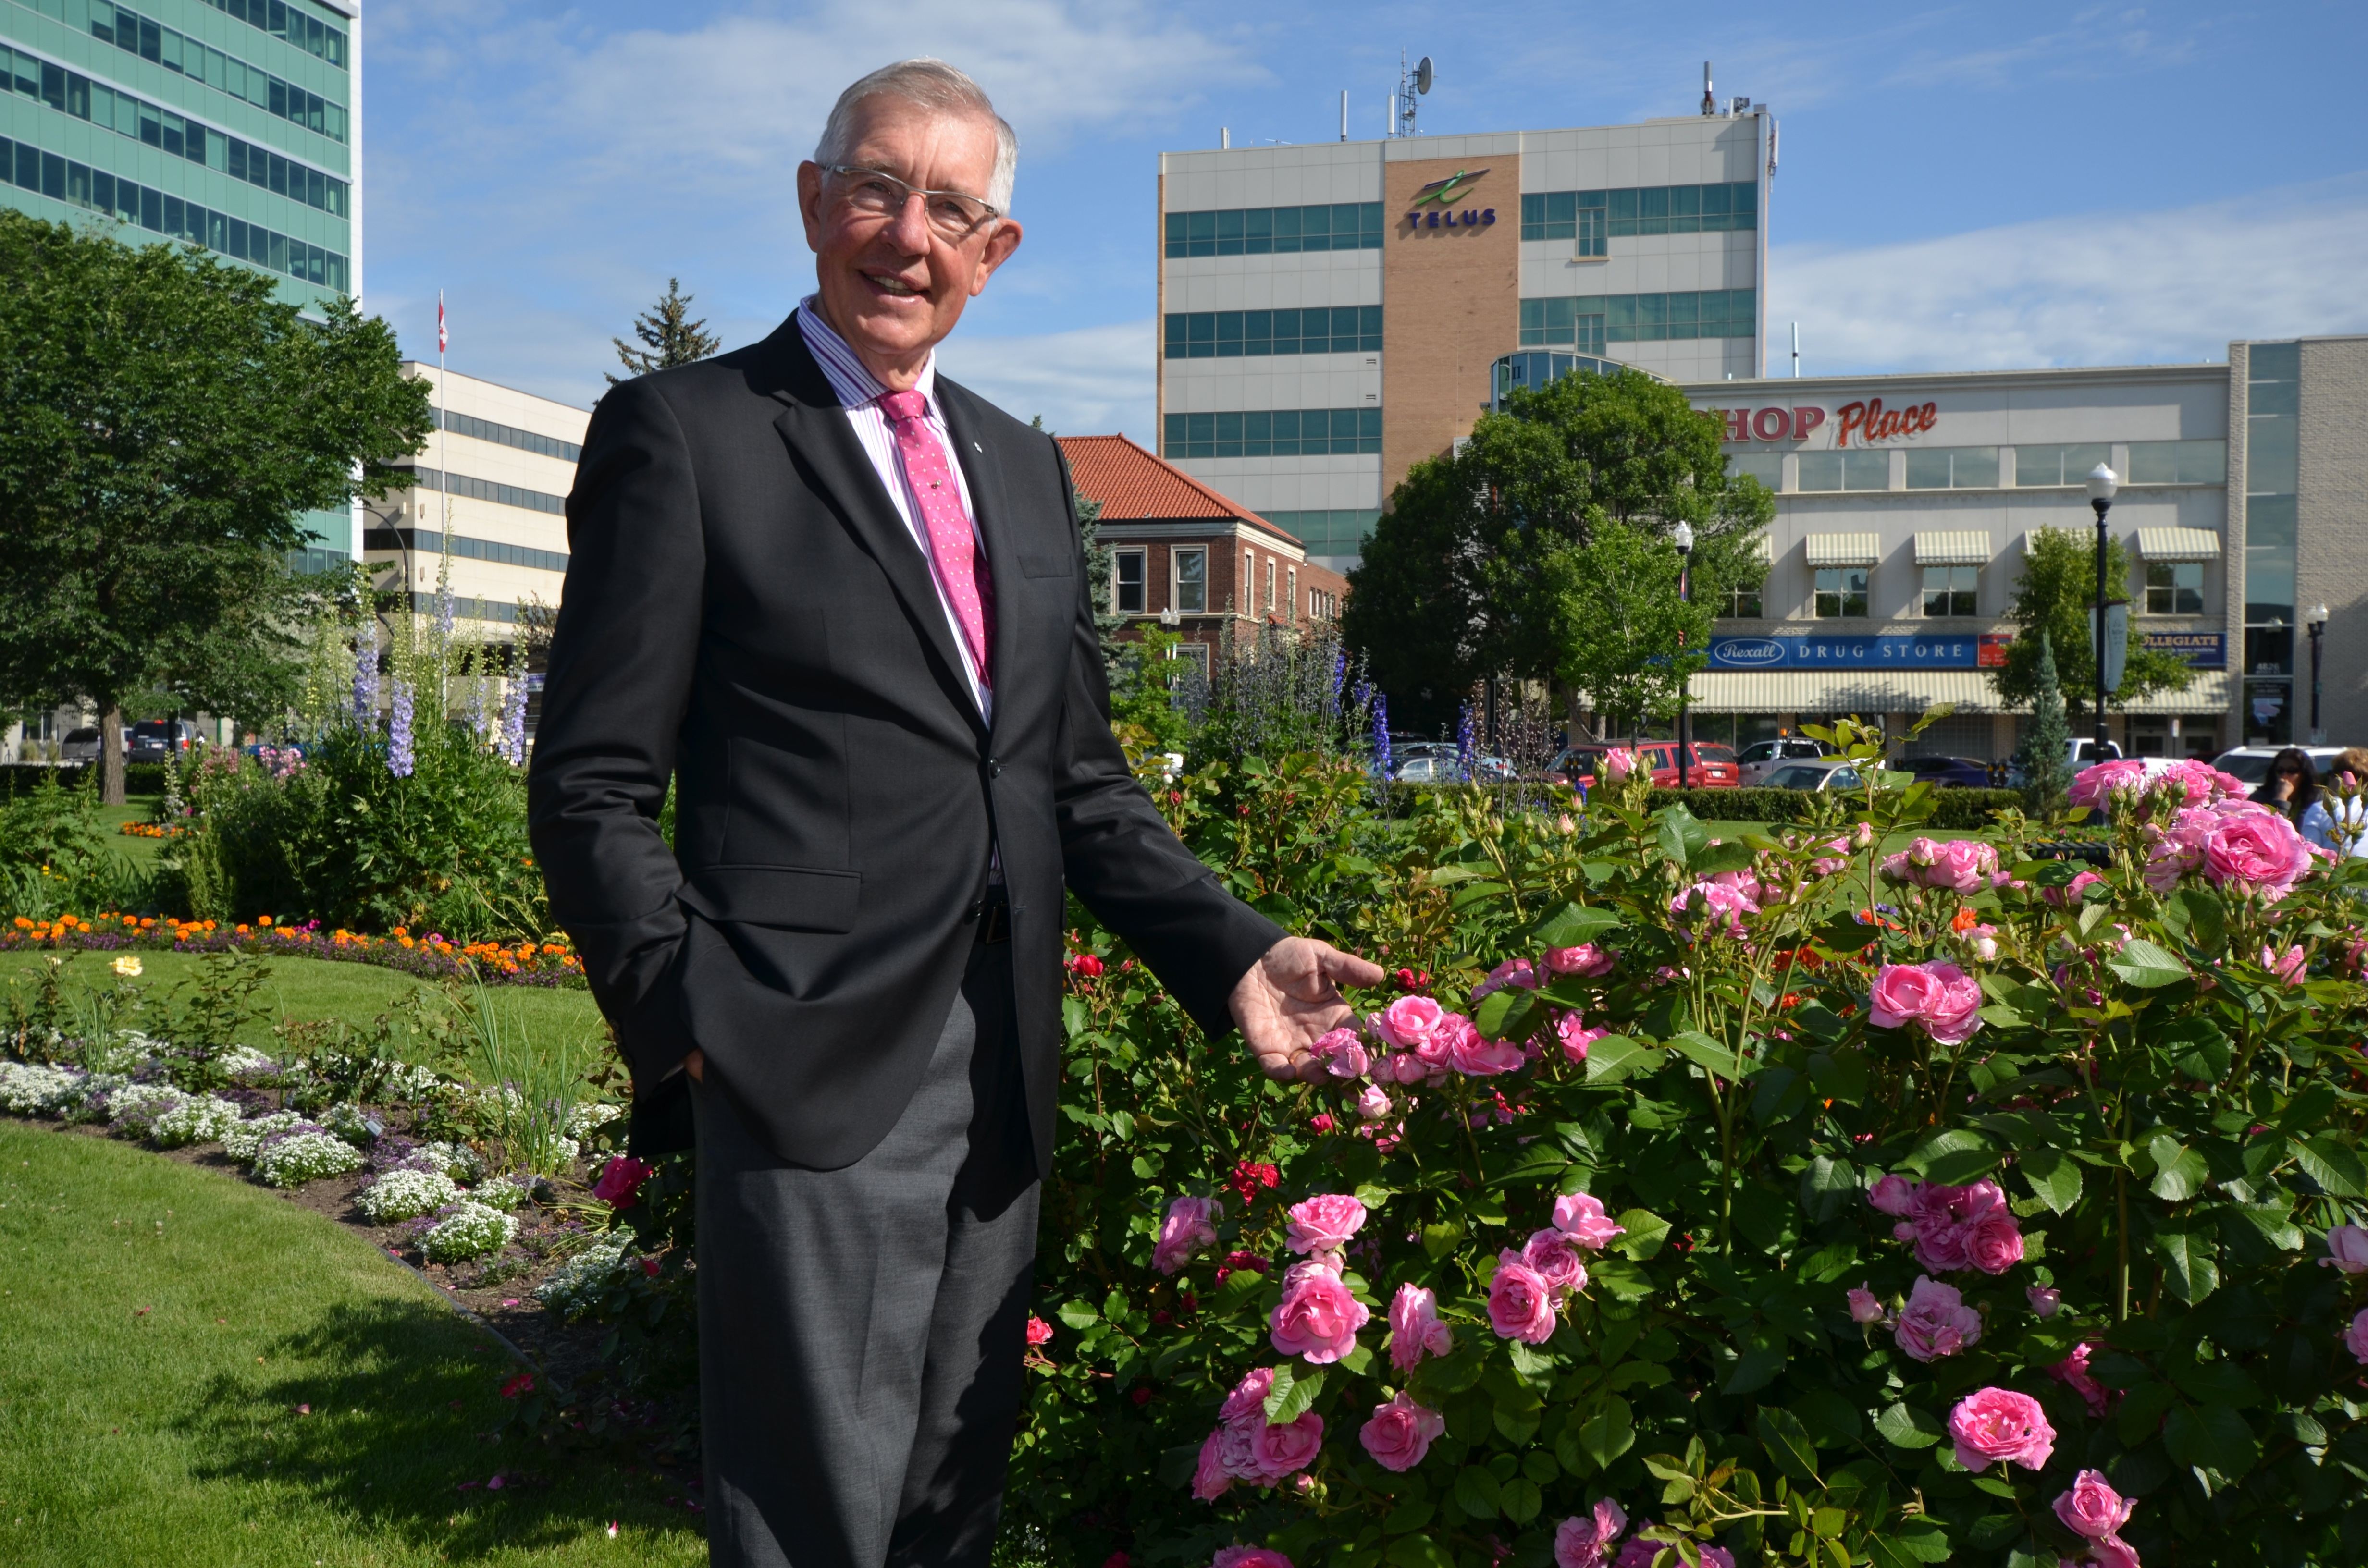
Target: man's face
[{"x": 891, "y": 286}]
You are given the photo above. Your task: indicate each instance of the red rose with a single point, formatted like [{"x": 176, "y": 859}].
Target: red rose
[{"x": 622, "y": 1181}]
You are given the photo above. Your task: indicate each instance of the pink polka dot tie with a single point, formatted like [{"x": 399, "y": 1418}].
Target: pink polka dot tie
[{"x": 962, "y": 564}]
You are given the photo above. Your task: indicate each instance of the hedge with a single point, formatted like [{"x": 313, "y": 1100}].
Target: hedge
[
  {"x": 1955, "y": 810},
  {"x": 139, "y": 778}
]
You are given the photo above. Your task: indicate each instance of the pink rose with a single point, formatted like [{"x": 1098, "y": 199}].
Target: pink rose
[
  {"x": 1895, "y": 1195},
  {"x": 1372, "y": 1104},
  {"x": 1249, "y": 1557},
  {"x": 1279, "y": 1450},
  {"x": 1863, "y": 1307},
  {"x": 1615, "y": 765},
  {"x": 1556, "y": 1260},
  {"x": 1586, "y": 1540},
  {"x": 1720, "y": 907},
  {"x": 2256, "y": 852},
  {"x": 2347, "y": 1250},
  {"x": 1981, "y": 941},
  {"x": 1190, "y": 1224},
  {"x": 2073, "y": 1373},
  {"x": 1415, "y": 1328},
  {"x": 1400, "y": 1433},
  {"x": 1248, "y": 1397},
  {"x": 2095, "y": 787},
  {"x": 1521, "y": 1303},
  {"x": 2355, "y": 1338},
  {"x": 2288, "y": 966},
  {"x": 1403, "y": 1068},
  {"x": 1586, "y": 959},
  {"x": 2112, "y": 1551},
  {"x": 1343, "y": 1051},
  {"x": 1941, "y": 997},
  {"x": 2093, "y": 1508},
  {"x": 2045, "y": 1301},
  {"x": 1210, "y": 1477},
  {"x": 622, "y": 1181},
  {"x": 1995, "y": 1426},
  {"x": 2071, "y": 893},
  {"x": 1317, "y": 1317},
  {"x": 1039, "y": 1330},
  {"x": 1581, "y": 1217},
  {"x": 1575, "y": 1036},
  {"x": 1994, "y": 1240},
  {"x": 1474, "y": 1054},
  {"x": 1936, "y": 1322},
  {"x": 1406, "y": 1023},
  {"x": 1323, "y": 1223},
  {"x": 1512, "y": 972}
]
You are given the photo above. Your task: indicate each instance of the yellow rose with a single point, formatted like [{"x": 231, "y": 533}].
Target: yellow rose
[{"x": 127, "y": 966}]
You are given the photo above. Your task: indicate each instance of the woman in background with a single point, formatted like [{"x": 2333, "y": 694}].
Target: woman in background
[{"x": 2293, "y": 787}]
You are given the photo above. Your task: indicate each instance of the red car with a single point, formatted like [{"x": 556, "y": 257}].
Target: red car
[{"x": 1711, "y": 767}]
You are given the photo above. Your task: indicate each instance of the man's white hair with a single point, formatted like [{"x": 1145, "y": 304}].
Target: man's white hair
[{"x": 934, "y": 85}]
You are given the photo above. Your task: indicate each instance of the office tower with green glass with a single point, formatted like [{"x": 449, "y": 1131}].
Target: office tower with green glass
[{"x": 230, "y": 124}]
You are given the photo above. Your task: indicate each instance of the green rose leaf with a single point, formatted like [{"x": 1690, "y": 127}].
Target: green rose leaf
[
  {"x": 1292, "y": 1394},
  {"x": 1476, "y": 1493},
  {"x": 1905, "y": 1426},
  {"x": 2336, "y": 1168},
  {"x": 1705, "y": 1051},
  {"x": 2190, "y": 1262},
  {"x": 2179, "y": 1174},
  {"x": 2197, "y": 1049},
  {"x": 2144, "y": 965},
  {"x": 2054, "y": 1177},
  {"x": 1520, "y": 1499},
  {"x": 2198, "y": 916},
  {"x": 1788, "y": 1443},
  {"x": 1646, "y": 1233},
  {"x": 2210, "y": 1436},
  {"x": 1615, "y": 1057},
  {"x": 1574, "y": 925}
]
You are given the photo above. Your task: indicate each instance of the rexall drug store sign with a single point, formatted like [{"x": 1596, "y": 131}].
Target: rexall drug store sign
[{"x": 1968, "y": 652}]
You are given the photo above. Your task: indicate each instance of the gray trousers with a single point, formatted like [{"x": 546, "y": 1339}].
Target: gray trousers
[{"x": 861, "y": 1330}]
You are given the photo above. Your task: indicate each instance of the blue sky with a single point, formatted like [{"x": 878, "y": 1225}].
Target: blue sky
[{"x": 1961, "y": 187}]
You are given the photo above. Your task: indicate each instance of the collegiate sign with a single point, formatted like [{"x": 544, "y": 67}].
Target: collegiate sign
[
  {"x": 2202, "y": 650},
  {"x": 1966, "y": 651}
]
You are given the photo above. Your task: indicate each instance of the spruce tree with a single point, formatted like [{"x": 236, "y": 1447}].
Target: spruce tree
[
  {"x": 669, "y": 337},
  {"x": 2047, "y": 744}
]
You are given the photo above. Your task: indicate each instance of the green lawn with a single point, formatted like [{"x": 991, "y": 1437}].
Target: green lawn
[
  {"x": 165, "y": 1322},
  {"x": 307, "y": 989},
  {"x": 140, "y": 851}
]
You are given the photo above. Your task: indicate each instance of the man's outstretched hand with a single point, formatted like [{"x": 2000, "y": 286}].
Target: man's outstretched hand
[{"x": 1290, "y": 997}]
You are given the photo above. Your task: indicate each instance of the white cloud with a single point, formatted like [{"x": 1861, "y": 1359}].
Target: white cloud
[
  {"x": 2109, "y": 289},
  {"x": 1092, "y": 382}
]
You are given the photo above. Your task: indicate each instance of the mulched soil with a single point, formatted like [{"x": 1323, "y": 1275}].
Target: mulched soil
[{"x": 497, "y": 1292}]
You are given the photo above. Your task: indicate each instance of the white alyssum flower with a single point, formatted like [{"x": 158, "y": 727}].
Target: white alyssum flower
[
  {"x": 132, "y": 1110},
  {"x": 295, "y": 1158},
  {"x": 97, "y": 1090},
  {"x": 405, "y": 1195},
  {"x": 470, "y": 1230},
  {"x": 350, "y": 1122},
  {"x": 578, "y": 1285},
  {"x": 245, "y": 1066},
  {"x": 592, "y": 1115},
  {"x": 503, "y": 1191},
  {"x": 197, "y": 1119},
  {"x": 244, "y": 1141},
  {"x": 29, "y": 1088}
]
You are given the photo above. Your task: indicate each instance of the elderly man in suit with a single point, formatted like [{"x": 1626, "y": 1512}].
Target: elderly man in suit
[{"x": 840, "y": 602}]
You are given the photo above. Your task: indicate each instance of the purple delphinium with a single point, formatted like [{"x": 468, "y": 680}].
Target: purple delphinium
[
  {"x": 399, "y": 756},
  {"x": 513, "y": 738},
  {"x": 1382, "y": 737},
  {"x": 1467, "y": 748},
  {"x": 366, "y": 672}
]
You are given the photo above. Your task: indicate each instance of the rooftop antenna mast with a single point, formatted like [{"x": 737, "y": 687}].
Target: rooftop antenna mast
[
  {"x": 1710, "y": 101},
  {"x": 1411, "y": 84}
]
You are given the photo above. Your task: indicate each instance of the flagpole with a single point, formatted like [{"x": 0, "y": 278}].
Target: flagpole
[{"x": 444, "y": 483}]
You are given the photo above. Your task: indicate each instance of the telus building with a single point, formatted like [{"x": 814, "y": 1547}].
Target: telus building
[
  {"x": 232, "y": 124},
  {"x": 1331, "y": 314}
]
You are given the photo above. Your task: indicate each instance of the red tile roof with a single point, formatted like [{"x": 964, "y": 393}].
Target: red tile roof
[{"x": 1134, "y": 485}]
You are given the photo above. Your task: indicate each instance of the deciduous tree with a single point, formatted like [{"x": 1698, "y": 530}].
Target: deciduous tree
[
  {"x": 2057, "y": 594},
  {"x": 164, "y": 418}
]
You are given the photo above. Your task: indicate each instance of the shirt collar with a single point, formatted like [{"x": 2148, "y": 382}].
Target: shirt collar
[{"x": 848, "y": 377}]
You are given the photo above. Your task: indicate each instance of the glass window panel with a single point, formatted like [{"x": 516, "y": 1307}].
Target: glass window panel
[
  {"x": 1348, "y": 219},
  {"x": 2154, "y": 462},
  {"x": 2270, "y": 455},
  {"x": 1229, "y": 435},
  {"x": 1821, "y": 470},
  {"x": 1767, "y": 468},
  {"x": 1369, "y": 429},
  {"x": 1128, "y": 596},
  {"x": 1202, "y": 332},
  {"x": 1685, "y": 209},
  {"x": 1683, "y": 318},
  {"x": 1229, "y": 335},
  {"x": 1176, "y": 338},
  {"x": 1866, "y": 471},
  {"x": 1258, "y": 332},
  {"x": 2203, "y": 462},
  {"x": 1928, "y": 468},
  {"x": 1193, "y": 581},
  {"x": 2275, "y": 362},
  {"x": 1315, "y": 223},
  {"x": 2038, "y": 465},
  {"x": 1201, "y": 431},
  {"x": 1347, "y": 328},
  {"x": 1622, "y": 210},
  {"x": 2269, "y": 520},
  {"x": 1534, "y": 215},
  {"x": 1176, "y": 236},
  {"x": 1653, "y": 209},
  {"x": 2269, "y": 582},
  {"x": 1258, "y": 231},
  {"x": 1973, "y": 468},
  {"x": 1257, "y": 435},
  {"x": 1172, "y": 437}
]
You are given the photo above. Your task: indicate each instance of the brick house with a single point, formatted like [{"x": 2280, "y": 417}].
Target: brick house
[{"x": 1185, "y": 557}]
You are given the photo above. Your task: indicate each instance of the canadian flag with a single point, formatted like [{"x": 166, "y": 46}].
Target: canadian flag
[{"x": 443, "y": 338}]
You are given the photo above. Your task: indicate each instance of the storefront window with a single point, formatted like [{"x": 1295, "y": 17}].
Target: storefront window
[
  {"x": 2174, "y": 587},
  {"x": 1841, "y": 592}
]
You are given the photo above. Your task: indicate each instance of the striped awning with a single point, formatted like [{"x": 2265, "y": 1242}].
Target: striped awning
[
  {"x": 1967, "y": 548},
  {"x": 1764, "y": 550},
  {"x": 1867, "y": 692},
  {"x": 2179, "y": 544},
  {"x": 1845, "y": 550}
]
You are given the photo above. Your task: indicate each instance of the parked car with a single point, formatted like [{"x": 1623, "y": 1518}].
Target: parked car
[
  {"x": 1710, "y": 767},
  {"x": 2252, "y": 764},
  {"x": 80, "y": 745},
  {"x": 1445, "y": 765},
  {"x": 2084, "y": 751},
  {"x": 1828, "y": 774},
  {"x": 161, "y": 740},
  {"x": 1955, "y": 772},
  {"x": 1760, "y": 759}
]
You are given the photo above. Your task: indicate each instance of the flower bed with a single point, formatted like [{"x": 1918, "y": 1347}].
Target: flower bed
[
  {"x": 429, "y": 956},
  {"x": 1763, "y": 1201}
]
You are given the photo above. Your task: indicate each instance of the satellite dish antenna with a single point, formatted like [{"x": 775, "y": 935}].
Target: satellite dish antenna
[{"x": 1422, "y": 74}]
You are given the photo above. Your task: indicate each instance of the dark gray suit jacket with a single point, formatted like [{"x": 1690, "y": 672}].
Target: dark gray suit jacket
[{"x": 747, "y": 615}]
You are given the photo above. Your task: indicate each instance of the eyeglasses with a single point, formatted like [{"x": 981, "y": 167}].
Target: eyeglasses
[{"x": 952, "y": 216}]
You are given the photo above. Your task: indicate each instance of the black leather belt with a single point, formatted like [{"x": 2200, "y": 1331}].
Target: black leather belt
[{"x": 993, "y": 914}]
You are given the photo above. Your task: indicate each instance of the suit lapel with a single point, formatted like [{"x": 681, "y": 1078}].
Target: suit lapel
[
  {"x": 816, "y": 430},
  {"x": 983, "y": 472}
]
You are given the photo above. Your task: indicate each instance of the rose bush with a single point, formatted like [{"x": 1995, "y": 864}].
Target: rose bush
[{"x": 1780, "y": 1199}]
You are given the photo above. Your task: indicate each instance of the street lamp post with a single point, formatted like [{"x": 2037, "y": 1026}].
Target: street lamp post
[
  {"x": 2315, "y": 618},
  {"x": 2103, "y": 483},
  {"x": 1683, "y": 537}
]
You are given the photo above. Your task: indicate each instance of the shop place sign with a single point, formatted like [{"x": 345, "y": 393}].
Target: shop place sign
[{"x": 1867, "y": 419}]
